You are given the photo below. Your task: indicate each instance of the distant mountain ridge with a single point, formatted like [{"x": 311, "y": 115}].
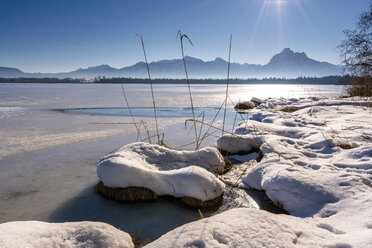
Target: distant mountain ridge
[{"x": 287, "y": 63}]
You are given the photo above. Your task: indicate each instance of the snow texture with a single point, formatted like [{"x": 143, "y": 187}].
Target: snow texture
[
  {"x": 248, "y": 227},
  {"x": 317, "y": 165},
  {"x": 164, "y": 171},
  {"x": 304, "y": 168},
  {"x": 73, "y": 234}
]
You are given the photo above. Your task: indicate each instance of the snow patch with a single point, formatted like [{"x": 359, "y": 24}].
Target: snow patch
[
  {"x": 73, "y": 234},
  {"x": 247, "y": 227}
]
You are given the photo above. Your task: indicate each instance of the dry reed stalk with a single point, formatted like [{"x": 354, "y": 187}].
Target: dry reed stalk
[
  {"x": 227, "y": 86},
  {"x": 111, "y": 123},
  {"x": 152, "y": 91},
  {"x": 329, "y": 143},
  {"x": 233, "y": 127},
  {"x": 200, "y": 214},
  {"x": 187, "y": 80},
  {"x": 189, "y": 144},
  {"x": 212, "y": 134},
  {"x": 144, "y": 124},
  {"x": 152, "y": 136},
  {"x": 366, "y": 136},
  {"x": 201, "y": 113},
  {"x": 209, "y": 127},
  {"x": 255, "y": 136},
  {"x": 249, "y": 164},
  {"x": 201, "y": 126},
  {"x": 130, "y": 112},
  {"x": 270, "y": 148}
]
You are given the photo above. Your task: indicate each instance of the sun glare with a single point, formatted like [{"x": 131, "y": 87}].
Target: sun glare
[
  {"x": 267, "y": 6},
  {"x": 275, "y": 11}
]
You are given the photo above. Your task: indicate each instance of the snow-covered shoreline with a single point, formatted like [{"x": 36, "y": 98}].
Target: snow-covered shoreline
[
  {"x": 326, "y": 188},
  {"x": 306, "y": 169}
]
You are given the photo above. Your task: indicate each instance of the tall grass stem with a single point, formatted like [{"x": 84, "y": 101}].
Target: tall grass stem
[
  {"x": 227, "y": 87},
  {"x": 182, "y": 36},
  {"x": 152, "y": 91}
]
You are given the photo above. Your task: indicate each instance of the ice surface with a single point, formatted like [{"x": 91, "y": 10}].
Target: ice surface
[
  {"x": 164, "y": 171},
  {"x": 39, "y": 234},
  {"x": 6, "y": 112}
]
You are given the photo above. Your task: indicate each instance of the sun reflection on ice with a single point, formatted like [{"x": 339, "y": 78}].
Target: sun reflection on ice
[{"x": 243, "y": 93}]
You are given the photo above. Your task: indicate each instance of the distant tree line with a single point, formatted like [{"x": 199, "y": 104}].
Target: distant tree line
[
  {"x": 341, "y": 80},
  {"x": 41, "y": 80}
]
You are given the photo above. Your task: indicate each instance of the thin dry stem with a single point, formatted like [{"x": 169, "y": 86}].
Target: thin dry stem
[
  {"x": 187, "y": 81},
  {"x": 144, "y": 124},
  {"x": 152, "y": 91},
  {"x": 200, "y": 214},
  {"x": 130, "y": 112},
  {"x": 209, "y": 127},
  {"x": 227, "y": 87},
  {"x": 250, "y": 141}
]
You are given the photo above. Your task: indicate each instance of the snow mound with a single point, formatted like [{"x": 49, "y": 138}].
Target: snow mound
[
  {"x": 73, "y": 234},
  {"x": 164, "y": 171},
  {"x": 294, "y": 188},
  {"x": 247, "y": 227},
  {"x": 317, "y": 162}
]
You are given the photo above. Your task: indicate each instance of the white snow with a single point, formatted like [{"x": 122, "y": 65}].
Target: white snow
[
  {"x": 164, "y": 171},
  {"x": 74, "y": 234},
  {"x": 327, "y": 189},
  {"x": 248, "y": 227},
  {"x": 305, "y": 171}
]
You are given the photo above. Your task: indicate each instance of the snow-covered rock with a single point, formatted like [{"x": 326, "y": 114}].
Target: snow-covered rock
[
  {"x": 245, "y": 105},
  {"x": 73, "y": 234},
  {"x": 248, "y": 227},
  {"x": 164, "y": 171},
  {"x": 238, "y": 143},
  {"x": 257, "y": 101}
]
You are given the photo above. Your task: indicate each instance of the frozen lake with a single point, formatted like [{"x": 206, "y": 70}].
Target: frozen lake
[{"x": 48, "y": 157}]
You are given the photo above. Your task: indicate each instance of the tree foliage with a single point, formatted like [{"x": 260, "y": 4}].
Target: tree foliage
[
  {"x": 356, "y": 49},
  {"x": 356, "y": 54}
]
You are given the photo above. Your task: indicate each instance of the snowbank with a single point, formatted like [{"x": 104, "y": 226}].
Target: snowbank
[
  {"x": 74, "y": 234},
  {"x": 304, "y": 168},
  {"x": 164, "y": 171},
  {"x": 317, "y": 165},
  {"x": 247, "y": 227}
]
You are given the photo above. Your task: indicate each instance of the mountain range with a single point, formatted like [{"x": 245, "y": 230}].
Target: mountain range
[{"x": 287, "y": 64}]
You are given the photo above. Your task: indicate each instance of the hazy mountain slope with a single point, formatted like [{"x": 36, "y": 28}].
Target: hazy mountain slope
[
  {"x": 8, "y": 72},
  {"x": 284, "y": 64}
]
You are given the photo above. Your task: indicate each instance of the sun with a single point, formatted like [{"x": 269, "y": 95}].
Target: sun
[{"x": 276, "y": 12}]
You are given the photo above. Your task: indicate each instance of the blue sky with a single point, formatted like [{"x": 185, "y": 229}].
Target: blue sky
[{"x": 56, "y": 35}]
